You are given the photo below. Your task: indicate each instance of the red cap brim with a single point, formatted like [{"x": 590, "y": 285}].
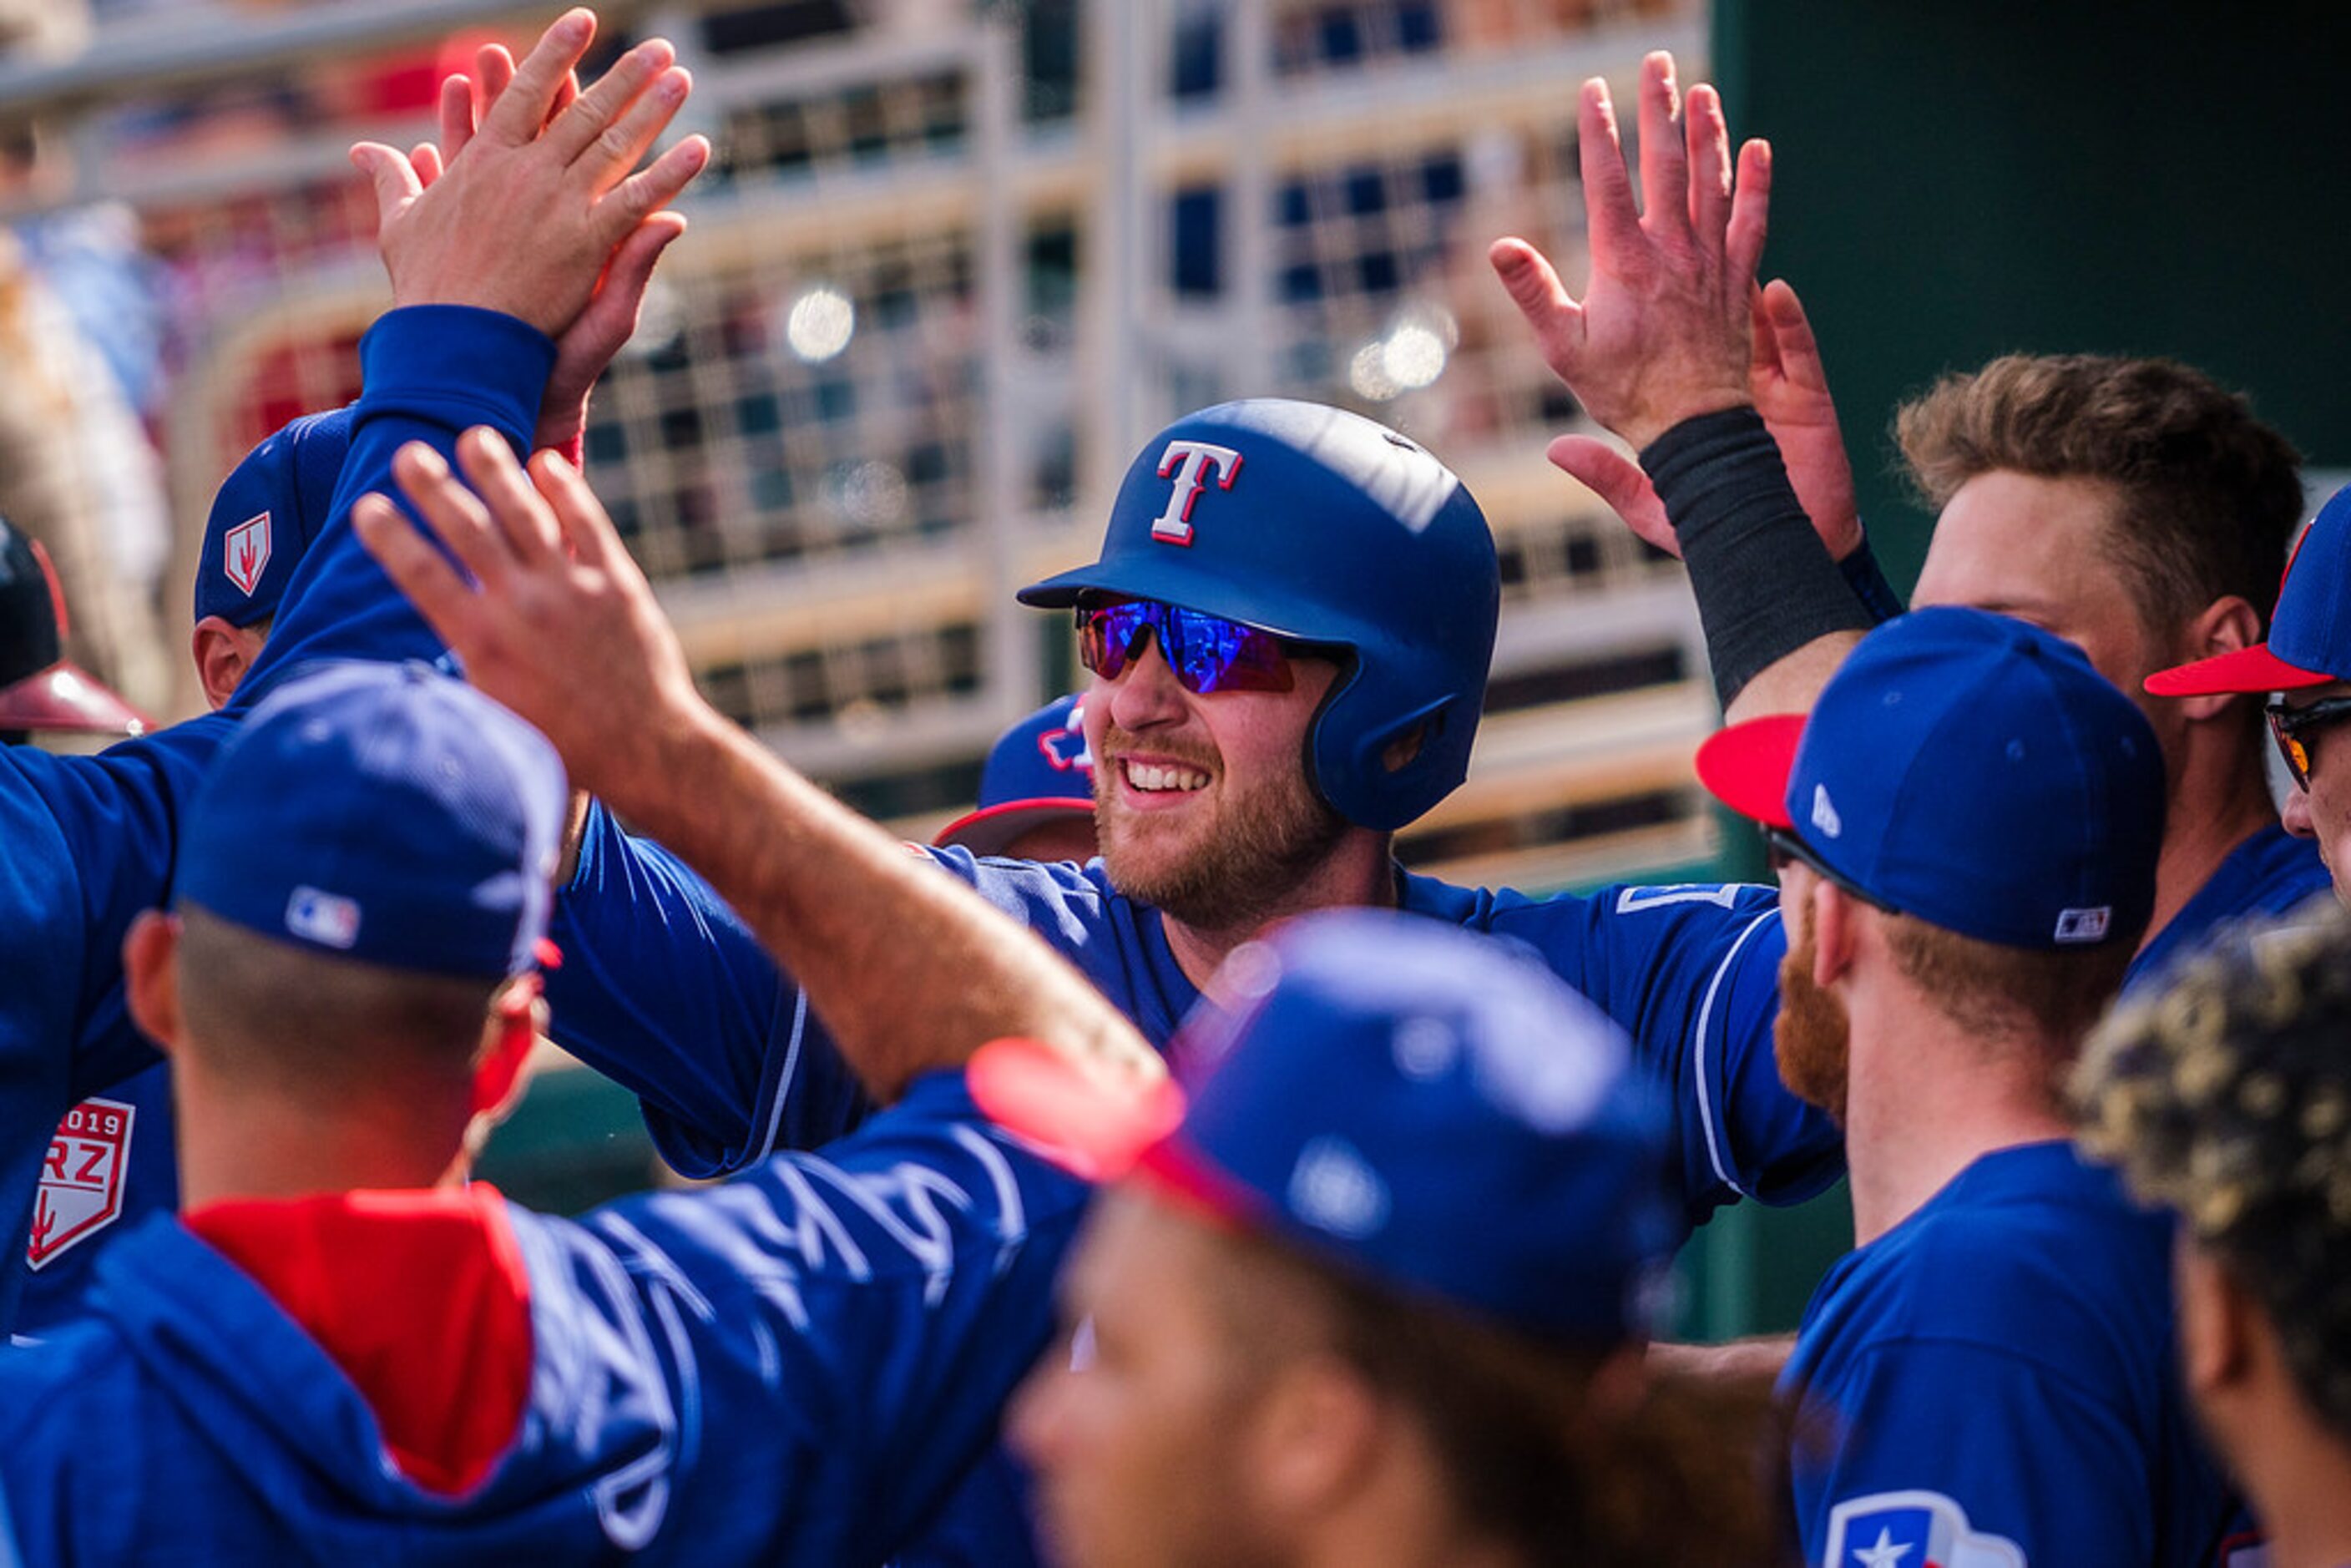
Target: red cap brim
[
  {"x": 1747, "y": 766},
  {"x": 991, "y": 829},
  {"x": 1095, "y": 1130},
  {"x": 64, "y": 698},
  {"x": 2253, "y": 669}
]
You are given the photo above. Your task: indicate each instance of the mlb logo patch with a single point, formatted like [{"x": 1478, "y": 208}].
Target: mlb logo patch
[
  {"x": 245, "y": 553},
  {"x": 327, "y": 918},
  {"x": 1911, "y": 1530},
  {"x": 81, "y": 1179},
  {"x": 2085, "y": 924}
]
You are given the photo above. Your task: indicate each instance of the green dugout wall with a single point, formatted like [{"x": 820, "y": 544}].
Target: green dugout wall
[{"x": 1955, "y": 181}]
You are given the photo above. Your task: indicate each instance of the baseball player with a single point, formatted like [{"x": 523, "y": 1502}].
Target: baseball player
[
  {"x": 1967, "y": 826},
  {"x": 1445, "y": 1078},
  {"x": 2221, "y": 1095},
  {"x": 1270, "y": 704},
  {"x": 2303, "y": 662},
  {"x": 91, "y": 837},
  {"x": 96, "y": 1169},
  {"x": 1381, "y": 1298},
  {"x": 2131, "y": 505},
  {"x": 111, "y": 1161},
  {"x": 1036, "y": 791},
  {"x": 342, "y": 1352}
]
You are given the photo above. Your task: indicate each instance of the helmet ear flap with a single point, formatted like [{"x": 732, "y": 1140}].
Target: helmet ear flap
[{"x": 1382, "y": 777}]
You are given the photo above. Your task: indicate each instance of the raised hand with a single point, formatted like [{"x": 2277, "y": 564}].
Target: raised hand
[
  {"x": 557, "y": 622},
  {"x": 1663, "y": 331},
  {"x": 533, "y": 204},
  {"x": 586, "y": 348},
  {"x": 1792, "y": 391}
]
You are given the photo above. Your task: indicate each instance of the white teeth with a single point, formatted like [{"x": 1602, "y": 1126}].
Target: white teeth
[{"x": 1142, "y": 776}]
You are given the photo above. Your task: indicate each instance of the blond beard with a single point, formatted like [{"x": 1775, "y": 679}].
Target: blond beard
[
  {"x": 1265, "y": 843},
  {"x": 1811, "y": 1038}
]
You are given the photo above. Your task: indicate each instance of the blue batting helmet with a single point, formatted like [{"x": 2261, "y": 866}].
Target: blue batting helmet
[{"x": 1321, "y": 526}]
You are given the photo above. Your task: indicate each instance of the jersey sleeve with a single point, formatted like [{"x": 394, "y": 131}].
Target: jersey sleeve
[
  {"x": 664, "y": 990},
  {"x": 881, "y": 1300},
  {"x": 430, "y": 373},
  {"x": 1691, "y": 973},
  {"x": 1962, "y": 1447}
]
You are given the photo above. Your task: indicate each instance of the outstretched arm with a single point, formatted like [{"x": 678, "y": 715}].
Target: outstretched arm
[
  {"x": 1661, "y": 351},
  {"x": 505, "y": 247},
  {"x": 910, "y": 971}
]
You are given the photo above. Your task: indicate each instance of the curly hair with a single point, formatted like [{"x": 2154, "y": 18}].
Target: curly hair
[
  {"x": 2210, "y": 496},
  {"x": 2226, "y": 1096}
]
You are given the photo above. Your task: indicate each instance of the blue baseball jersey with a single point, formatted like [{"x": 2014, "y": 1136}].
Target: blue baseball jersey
[
  {"x": 90, "y": 840},
  {"x": 1993, "y": 1381},
  {"x": 664, "y": 990},
  {"x": 791, "y": 1368},
  {"x": 2270, "y": 874}
]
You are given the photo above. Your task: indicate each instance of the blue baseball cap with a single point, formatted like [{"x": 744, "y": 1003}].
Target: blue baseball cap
[
  {"x": 1438, "y": 1113},
  {"x": 1039, "y": 771},
  {"x": 383, "y": 813},
  {"x": 1970, "y": 770},
  {"x": 2310, "y": 632},
  {"x": 268, "y": 510}
]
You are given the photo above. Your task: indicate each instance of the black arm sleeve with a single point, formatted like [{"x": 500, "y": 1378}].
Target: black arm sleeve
[{"x": 1764, "y": 582}]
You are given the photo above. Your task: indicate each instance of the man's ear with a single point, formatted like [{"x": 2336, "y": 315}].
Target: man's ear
[
  {"x": 1835, "y": 932},
  {"x": 502, "y": 1068},
  {"x": 222, "y": 654},
  {"x": 2225, "y": 625},
  {"x": 1315, "y": 1433},
  {"x": 151, "y": 978}
]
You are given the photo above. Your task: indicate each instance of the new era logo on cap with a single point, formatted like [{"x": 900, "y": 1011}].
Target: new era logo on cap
[
  {"x": 1825, "y": 813},
  {"x": 326, "y": 918},
  {"x": 1334, "y": 1188},
  {"x": 1189, "y": 463},
  {"x": 245, "y": 553}
]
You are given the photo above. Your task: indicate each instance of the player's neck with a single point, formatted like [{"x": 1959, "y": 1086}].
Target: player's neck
[
  {"x": 2216, "y": 805},
  {"x": 1924, "y": 1100},
  {"x": 1360, "y": 872},
  {"x": 2298, "y": 1478},
  {"x": 247, "y": 1142}
]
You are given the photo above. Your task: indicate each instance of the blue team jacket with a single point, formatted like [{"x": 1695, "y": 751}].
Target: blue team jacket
[
  {"x": 791, "y": 1368},
  {"x": 86, "y": 843}
]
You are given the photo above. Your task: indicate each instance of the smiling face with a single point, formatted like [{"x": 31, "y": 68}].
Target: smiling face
[{"x": 1201, "y": 803}]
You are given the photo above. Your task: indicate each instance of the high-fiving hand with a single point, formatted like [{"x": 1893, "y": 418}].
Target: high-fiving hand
[
  {"x": 536, "y": 201},
  {"x": 1663, "y": 333}
]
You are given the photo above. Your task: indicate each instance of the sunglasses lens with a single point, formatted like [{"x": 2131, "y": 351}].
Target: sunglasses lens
[
  {"x": 1207, "y": 653},
  {"x": 1217, "y": 655},
  {"x": 1108, "y": 635}
]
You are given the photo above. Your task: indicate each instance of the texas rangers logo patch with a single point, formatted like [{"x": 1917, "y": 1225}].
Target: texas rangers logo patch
[
  {"x": 82, "y": 1180},
  {"x": 1065, "y": 748},
  {"x": 1912, "y": 1530},
  {"x": 1189, "y": 464},
  {"x": 245, "y": 553}
]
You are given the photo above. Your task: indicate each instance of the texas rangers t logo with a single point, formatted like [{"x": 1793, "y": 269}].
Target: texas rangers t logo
[
  {"x": 245, "y": 552},
  {"x": 1189, "y": 462},
  {"x": 81, "y": 1179}
]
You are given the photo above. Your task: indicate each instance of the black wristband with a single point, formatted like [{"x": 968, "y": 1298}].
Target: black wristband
[
  {"x": 1764, "y": 582},
  {"x": 1867, "y": 580}
]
